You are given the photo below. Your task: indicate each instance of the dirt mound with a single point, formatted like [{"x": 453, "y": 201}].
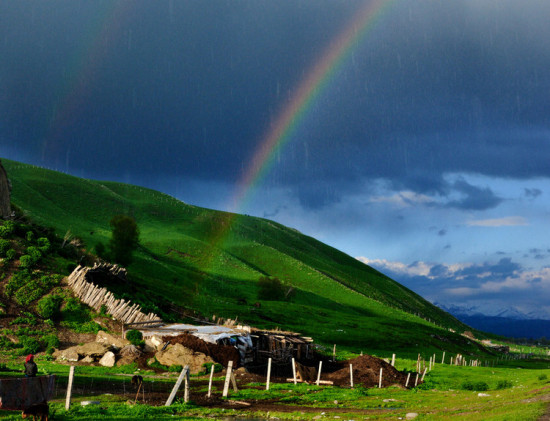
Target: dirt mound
[
  {"x": 219, "y": 353},
  {"x": 366, "y": 372}
]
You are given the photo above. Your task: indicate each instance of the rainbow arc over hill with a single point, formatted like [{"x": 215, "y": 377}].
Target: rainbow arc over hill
[{"x": 310, "y": 88}]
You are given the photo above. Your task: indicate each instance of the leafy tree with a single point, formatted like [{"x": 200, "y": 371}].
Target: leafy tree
[
  {"x": 270, "y": 289},
  {"x": 124, "y": 238}
]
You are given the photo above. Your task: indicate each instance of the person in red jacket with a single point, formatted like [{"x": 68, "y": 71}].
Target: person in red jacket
[{"x": 30, "y": 366}]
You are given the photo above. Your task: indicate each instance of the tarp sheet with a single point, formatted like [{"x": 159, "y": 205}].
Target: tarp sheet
[{"x": 23, "y": 393}]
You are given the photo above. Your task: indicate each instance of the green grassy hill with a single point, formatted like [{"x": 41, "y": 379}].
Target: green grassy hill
[{"x": 210, "y": 262}]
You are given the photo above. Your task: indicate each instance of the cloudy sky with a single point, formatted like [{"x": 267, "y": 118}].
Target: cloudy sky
[{"x": 423, "y": 150}]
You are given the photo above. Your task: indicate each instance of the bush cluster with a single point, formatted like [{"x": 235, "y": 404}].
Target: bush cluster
[
  {"x": 26, "y": 286},
  {"x": 135, "y": 337},
  {"x": 49, "y": 307},
  {"x": 477, "y": 386}
]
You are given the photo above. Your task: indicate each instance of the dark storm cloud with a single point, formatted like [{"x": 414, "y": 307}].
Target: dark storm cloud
[
  {"x": 475, "y": 198},
  {"x": 188, "y": 89},
  {"x": 532, "y": 193}
]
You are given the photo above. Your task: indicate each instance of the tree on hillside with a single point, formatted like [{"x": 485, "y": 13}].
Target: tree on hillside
[
  {"x": 272, "y": 289},
  {"x": 124, "y": 238}
]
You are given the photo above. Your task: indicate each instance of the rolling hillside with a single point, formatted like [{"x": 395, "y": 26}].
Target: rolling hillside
[{"x": 210, "y": 261}]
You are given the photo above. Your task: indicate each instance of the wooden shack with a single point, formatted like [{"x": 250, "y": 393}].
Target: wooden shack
[{"x": 280, "y": 346}]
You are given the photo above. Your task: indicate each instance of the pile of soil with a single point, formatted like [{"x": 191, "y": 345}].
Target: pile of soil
[
  {"x": 366, "y": 372},
  {"x": 219, "y": 353}
]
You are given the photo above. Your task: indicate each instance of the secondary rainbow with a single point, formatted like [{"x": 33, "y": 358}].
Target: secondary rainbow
[{"x": 307, "y": 92}]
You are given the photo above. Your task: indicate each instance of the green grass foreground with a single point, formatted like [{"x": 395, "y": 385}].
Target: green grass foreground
[{"x": 504, "y": 393}]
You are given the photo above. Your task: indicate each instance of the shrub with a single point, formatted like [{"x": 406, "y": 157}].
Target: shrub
[
  {"x": 270, "y": 289},
  {"x": 477, "y": 386},
  {"x": 43, "y": 244},
  {"x": 4, "y": 247},
  {"x": 208, "y": 366},
  {"x": 135, "y": 337},
  {"x": 29, "y": 236},
  {"x": 50, "y": 342},
  {"x": 29, "y": 346},
  {"x": 543, "y": 377},
  {"x": 6, "y": 229},
  {"x": 48, "y": 307},
  {"x": 175, "y": 368},
  {"x": 504, "y": 384},
  {"x": 10, "y": 254}
]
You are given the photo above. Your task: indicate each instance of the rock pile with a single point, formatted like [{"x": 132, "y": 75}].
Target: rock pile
[{"x": 108, "y": 350}]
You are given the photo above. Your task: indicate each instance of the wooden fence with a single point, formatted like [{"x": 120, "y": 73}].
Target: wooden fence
[{"x": 96, "y": 297}]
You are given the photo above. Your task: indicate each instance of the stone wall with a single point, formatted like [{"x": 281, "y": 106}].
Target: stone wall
[{"x": 5, "y": 187}]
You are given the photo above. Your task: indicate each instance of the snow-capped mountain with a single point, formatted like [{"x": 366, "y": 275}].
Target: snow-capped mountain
[
  {"x": 487, "y": 310},
  {"x": 509, "y": 322}
]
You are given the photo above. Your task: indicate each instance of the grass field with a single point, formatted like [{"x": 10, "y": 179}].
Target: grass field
[{"x": 450, "y": 392}]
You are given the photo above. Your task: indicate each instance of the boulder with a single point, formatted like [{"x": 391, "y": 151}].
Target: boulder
[
  {"x": 108, "y": 360},
  {"x": 179, "y": 355},
  {"x": 87, "y": 359},
  {"x": 92, "y": 349},
  {"x": 154, "y": 342},
  {"x": 109, "y": 340},
  {"x": 130, "y": 352},
  {"x": 125, "y": 361},
  {"x": 68, "y": 354}
]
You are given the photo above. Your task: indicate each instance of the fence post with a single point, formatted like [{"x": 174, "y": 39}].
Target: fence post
[
  {"x": 319, "y": 373},
  {"x": 268, "y": 374},
  {"x": 443, "y": 359},
  {"x": 393, "y": 360},
  {"x": 408, "y": 378},
  {"x": 183, "y": 374},
  {"x": 294, "y": 370},
  {"x": 351, "y": 375},
  {"x": 380, "y": 380},
  {"x": 227, "y": 378},
  {"x": 69, "y": 388},
  {"x": 210, "y": 381}
]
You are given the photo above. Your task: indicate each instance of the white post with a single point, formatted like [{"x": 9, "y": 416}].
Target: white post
[
  {"x": 187, "y": 386},
  {"x": 351, "y": 375},
  {"x": 334, "y": 353},
  {"x": 268, "y": 374},
  {"x": 393, "y": 360},
  {"x": 294, "y": 370},
  {"x": 227, "y": 379},
  {"x": 422, "y": 379},
  {"x": 380, "y": 380},
  {"x": 430, "y": 366},
  {"x": 408, "y": 378},
  {"x": 443, "y": 359},
  {"x": 69, "y": 388},
  {"x": 319, "y": 373},
  {"x": 416, "y": 380},
  {"x": 183, "y": 373},
  {"x": 210, "y": 380}
]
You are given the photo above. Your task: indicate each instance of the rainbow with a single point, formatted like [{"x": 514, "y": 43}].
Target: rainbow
[{"x": 305, "y": 95}]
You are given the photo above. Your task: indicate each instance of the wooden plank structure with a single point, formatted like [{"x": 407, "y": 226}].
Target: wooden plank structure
[
  {"x": 280, "y": 346},
  {"x": 95, "y": 296}
]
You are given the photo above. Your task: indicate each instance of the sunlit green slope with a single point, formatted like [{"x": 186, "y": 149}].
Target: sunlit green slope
[{"x": 210, "y": 262}]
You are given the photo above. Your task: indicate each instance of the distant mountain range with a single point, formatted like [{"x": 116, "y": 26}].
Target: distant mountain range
[{"x": 502, "y": 321}]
